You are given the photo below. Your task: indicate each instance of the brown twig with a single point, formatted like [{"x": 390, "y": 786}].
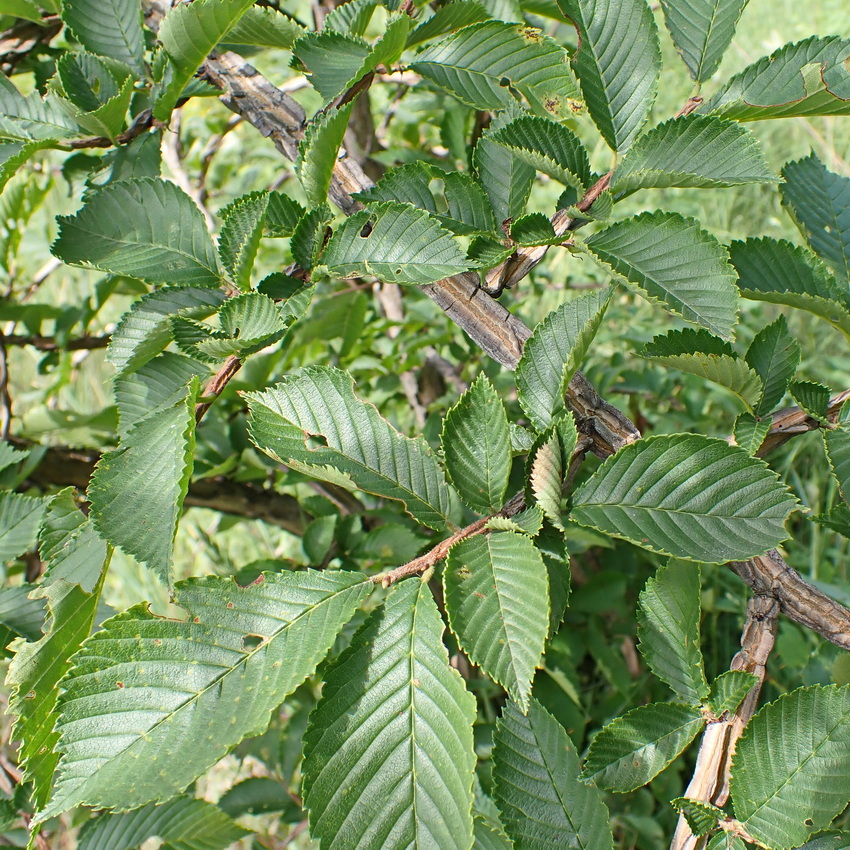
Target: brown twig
[
  {"x": 5, "y": 395},
  {"x": 17, "y": 42},
  {"x": 710, "y": 780},
  {"x": 792, "y": 421},
  {"x": 433, "y": 556},
  {"x": 49, "y": 343},
  {"x": 141, "y": 124},
  {"x": 216, "y": 385}
]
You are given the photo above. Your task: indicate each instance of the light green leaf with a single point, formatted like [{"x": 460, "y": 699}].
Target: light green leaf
[
  {"x": 137, "y": 492},
  {"x": 553, "y": 354},
  {"x": 110, "y": 118},
  {"x": 774, "y": 354},
  {"x": 14, "y": 154},
  {"x": 26, "y": 9},
  {"x": 808, "y": 78},
  {"x": 154, "y": 387},
  {"x": 241, "y": 230},
  {"x": 248, "y": 322},
  {"x": 497, "y": 599},
  {"x": 700, "y": 816},
  {"x": 534, "y": 229},
  {"x": 548, "y": 147},
  {"x": 701, "y": 31},
  {"x": 472, "y": 63},
  {"x": 777, "y": 271},
  {"x": 506, "y": 179},
  {"x": 335, "y": 61},
  {"x": 401, "y": 245},
  {"x": 187, "y": 35},
  {"x": 145, "y": 329},
  {"x": 529, "y": 522},
  {"x": 317, "y": 152},
  {"x": 728, "y": 691},
  {"x": 700, "y": 353},
  {"x": 785, "y": 787},
  {"x": 694, "y": 151},
  {"x": 359, "y": 443},
  {"x": 20, "y": 615},
  {"x": 688, "y": 496},
  {"x": 668, "y": 629},
  {"x": 37, "y": 667},
  {"x": 837, "y": 519},
  {"x": 837, "y": 444},
  {"x": 671, "y": 260},
  {"x": 263, "y": 26},
  {"x": 110, "y": 28},
  {"x": 618, "y": 61},
  {"x": 392, "y": 736},
  {"x": 30, "y": 118},
  {"x": 750, "y": 432},
  {"x": 544, "y": 804},
  {"x": 635, "y": 748},
  {"x": 477, "y": 447},
  {"x": 819, "y": 201},
  {"x": 183, "y": 823},
  {"x": 148, "y": 229},
  {"x": 449, "y": 18},
  {"x": 488, "y": 836},
  {"x": 20, "y": 519},
  {"x": 239, "y": 646},
  {"x": 813, "y": 398},
  {"x": 86, "y": 81}
]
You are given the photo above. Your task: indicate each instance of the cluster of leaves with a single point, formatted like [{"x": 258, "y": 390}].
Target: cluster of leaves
[{"x": 126, "y": 713}]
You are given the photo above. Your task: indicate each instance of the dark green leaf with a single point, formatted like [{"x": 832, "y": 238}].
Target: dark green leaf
[
  {"x": 282, "y": 214},
  {"x": 241, "y": 229},
  {"x": 750, "y": 432},
  {"x": 812, "y": 397},
  {"x": 110, "y": 28},
  {"x": 774, "y": 354},
  {"x": 701, "y": 817},
  {"x": 728, "y": 690},
  {"x": 20, "y": 519},
  {"x": 317, "y": 152}
]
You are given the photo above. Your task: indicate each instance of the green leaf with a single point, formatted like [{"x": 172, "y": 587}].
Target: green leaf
[
  {"x": 777, "y": 271},
  {"x": 497, "y": 599},
  {"x": 246, "y": 646},
  {"x": 700, "y": 353},
  {"x": 351, "y": 17},
  {"x": 392, "y": 736},
  {"x": 635, "y": 748},
  {"x": 701, "y": 31},
  {"x": 137, "y": 492},
  {"x": 553, "y": 354},
  {"x": 546, "y": 476},
  {"x": 263, "y": 26},
  {"x": 544, "y": 804},
  {"x": 37, "y": 667},
  {"x": 701, "y": 817},
  {"x": 728, "y": 691},
  {"x": 808, "y": 78},
  {"x": 110, "y": 28},
  {"x": 506, "y": 179},
  {"x": 357, "y": 443},
  {"x": 157, "y": 385},
  {"x": 534, "y": 229},
  {"x": 449, "y": 18},
  {"x": 20, "y": 519},
  {"x": 488, "y": 836},
  {"x": 249, "y": 323},
  {"x": 282, "y": 212},
  {"x": 30, "y": 118},
  {"x": 813, "y": 398},
  {"x": 396, "y": 243},
  {"x": 828, "y": 841},
  {"x": 241, "y": 230},
  {"x": 145, "y": 329},
  {"x": 785, "y": 787},
  {"x": 335, "y": 61},
  {"x": 837, "y": 444},
  {"x": 477, "y": 447},
  {"x": 750, "y": 432},
  {"x": 317, "y": 152},
  {"x": 671, "y": 260},
  {"x": 688, "y": 496},
  {"x": 694, "y": 151},
  {"x": 819, "y": 201},
  {"x": 548, "y": 147},
  {"x": 552, "y": 545},
  {"x": 147, "y": 229},
  {"x": 529, "y": 522},
  {"x": 838, "y": 519},
  {"x": 473, "y": 63},
  {"x": 187, "y": 35},
  {"x": 20, "y": 614},
  {"x": 774, "y": 354},
  {"x": 668, "y": 629},
  {"x": 183, "y": 823},
  {"x": 309, "y": 236},
  {"x": 618, "y": 61},
  {"x": 26, "y": 9},
  {"x": 15, "y": 154},
  {"x": 260, "y": 794}
]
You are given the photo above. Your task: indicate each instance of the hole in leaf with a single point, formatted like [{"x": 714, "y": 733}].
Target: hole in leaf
[
  {"x": 252, "y": 641},
  {"x": 367, "y": 230}
]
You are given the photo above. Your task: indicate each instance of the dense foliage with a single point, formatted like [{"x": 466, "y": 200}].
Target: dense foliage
[{"x": 309, "y": 539}]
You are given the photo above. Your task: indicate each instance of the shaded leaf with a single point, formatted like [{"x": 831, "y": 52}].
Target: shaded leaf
[
  {"x": 837, "y": 444},
  {"x": 700, "y": 816},
  {"x": 393, "y": 733},
  {"x": 750, "y": 432},
  {"x": 774, "y": 354},
  {"x": 497, "y": 599},
  {"x": 320, "y": 402},
  {"x": 241, "y": 230},
  {"x": 20, "y": 519},
  {"x": 688, "y": 496},
  {"x": 813, "y": 398},
  {"x": 309, "y": 236},
  {"x": 282, "y": 213},
  {"x": 317, "y": 152},
  {"x": 671, "y": 260}
]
